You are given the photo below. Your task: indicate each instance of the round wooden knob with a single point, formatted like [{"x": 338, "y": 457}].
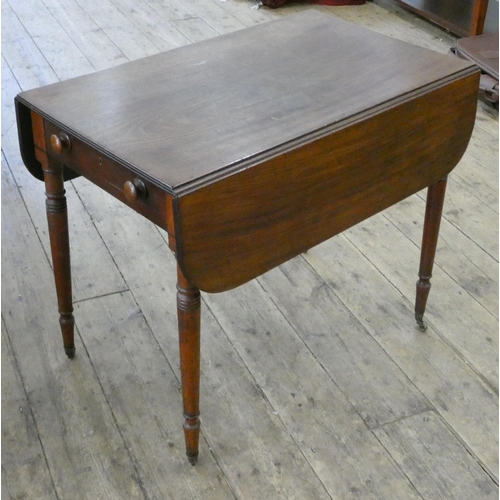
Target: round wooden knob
[
  {"x": 60, "y": 142},
  {"x": 134, "y": 190}
]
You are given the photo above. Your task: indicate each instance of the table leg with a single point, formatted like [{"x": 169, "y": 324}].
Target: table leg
[
  {"x": 188, "y": 314},
  {"x": 433, "y": 212},
  {"x": 57, "y": 217}
]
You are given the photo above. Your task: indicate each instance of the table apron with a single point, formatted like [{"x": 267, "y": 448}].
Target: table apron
[{"x": 110, "y": 175}]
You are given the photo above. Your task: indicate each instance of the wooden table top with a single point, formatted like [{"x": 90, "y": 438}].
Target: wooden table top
[
  {"x": 191, "y": 116},
  {"x": 255, "y": 146}
]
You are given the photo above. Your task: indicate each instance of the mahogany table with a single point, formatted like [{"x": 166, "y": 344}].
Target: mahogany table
[
  {"x": 462, "y": 17},
  {"x": 250, "y": 148}
]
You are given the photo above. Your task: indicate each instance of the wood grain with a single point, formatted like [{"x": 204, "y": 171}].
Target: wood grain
[
  {"x": 143, "y": 391},
  {"x": 129, "y": 353},
  {"x": 225, "y": 100},
  {"x": 72, "y": 417},
  {"x": 437, "y": 370},
  {"x": 448, "y": 307},
  {"x": 375, "y": 386},
  {"x": 434, "y": 459},
  {"x": 324, "y": 425},
  {"x": 255, "y": 451},
  {"x": 354, "y": 174},
  {"x": 23, "y": 461}
]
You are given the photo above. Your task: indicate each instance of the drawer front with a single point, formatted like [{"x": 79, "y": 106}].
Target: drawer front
[{"x": 119, "y": 181}]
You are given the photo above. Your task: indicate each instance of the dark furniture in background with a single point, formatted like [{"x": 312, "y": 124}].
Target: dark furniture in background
[
  {"x": 462, "y": 17},
  {"x": 274, "y": 4}
]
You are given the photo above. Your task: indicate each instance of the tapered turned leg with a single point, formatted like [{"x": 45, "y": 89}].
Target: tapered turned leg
[
  {"x": 433, "y": 212},
  {"x": 57, "y": 217},
  {"x": 188, "y": 313}
]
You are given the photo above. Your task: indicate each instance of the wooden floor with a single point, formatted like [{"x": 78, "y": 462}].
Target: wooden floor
[{"x": 316, "y": 383}]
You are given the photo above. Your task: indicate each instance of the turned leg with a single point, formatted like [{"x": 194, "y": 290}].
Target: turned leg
[
  {"x": 57, "y": 217},
  {"x": 433, "y": 212},
  {"x": 188, "y": 314}
]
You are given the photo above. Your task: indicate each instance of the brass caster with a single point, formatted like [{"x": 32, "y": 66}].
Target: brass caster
[
  {"x": 420, "y": 322},
  {"x": 70, "y": 352}
]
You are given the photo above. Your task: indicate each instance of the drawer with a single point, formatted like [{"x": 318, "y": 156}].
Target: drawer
[{"x": 120, "y": 181}]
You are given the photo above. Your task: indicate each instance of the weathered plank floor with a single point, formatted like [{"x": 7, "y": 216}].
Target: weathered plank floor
[{"x": 316, "y": 383}]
